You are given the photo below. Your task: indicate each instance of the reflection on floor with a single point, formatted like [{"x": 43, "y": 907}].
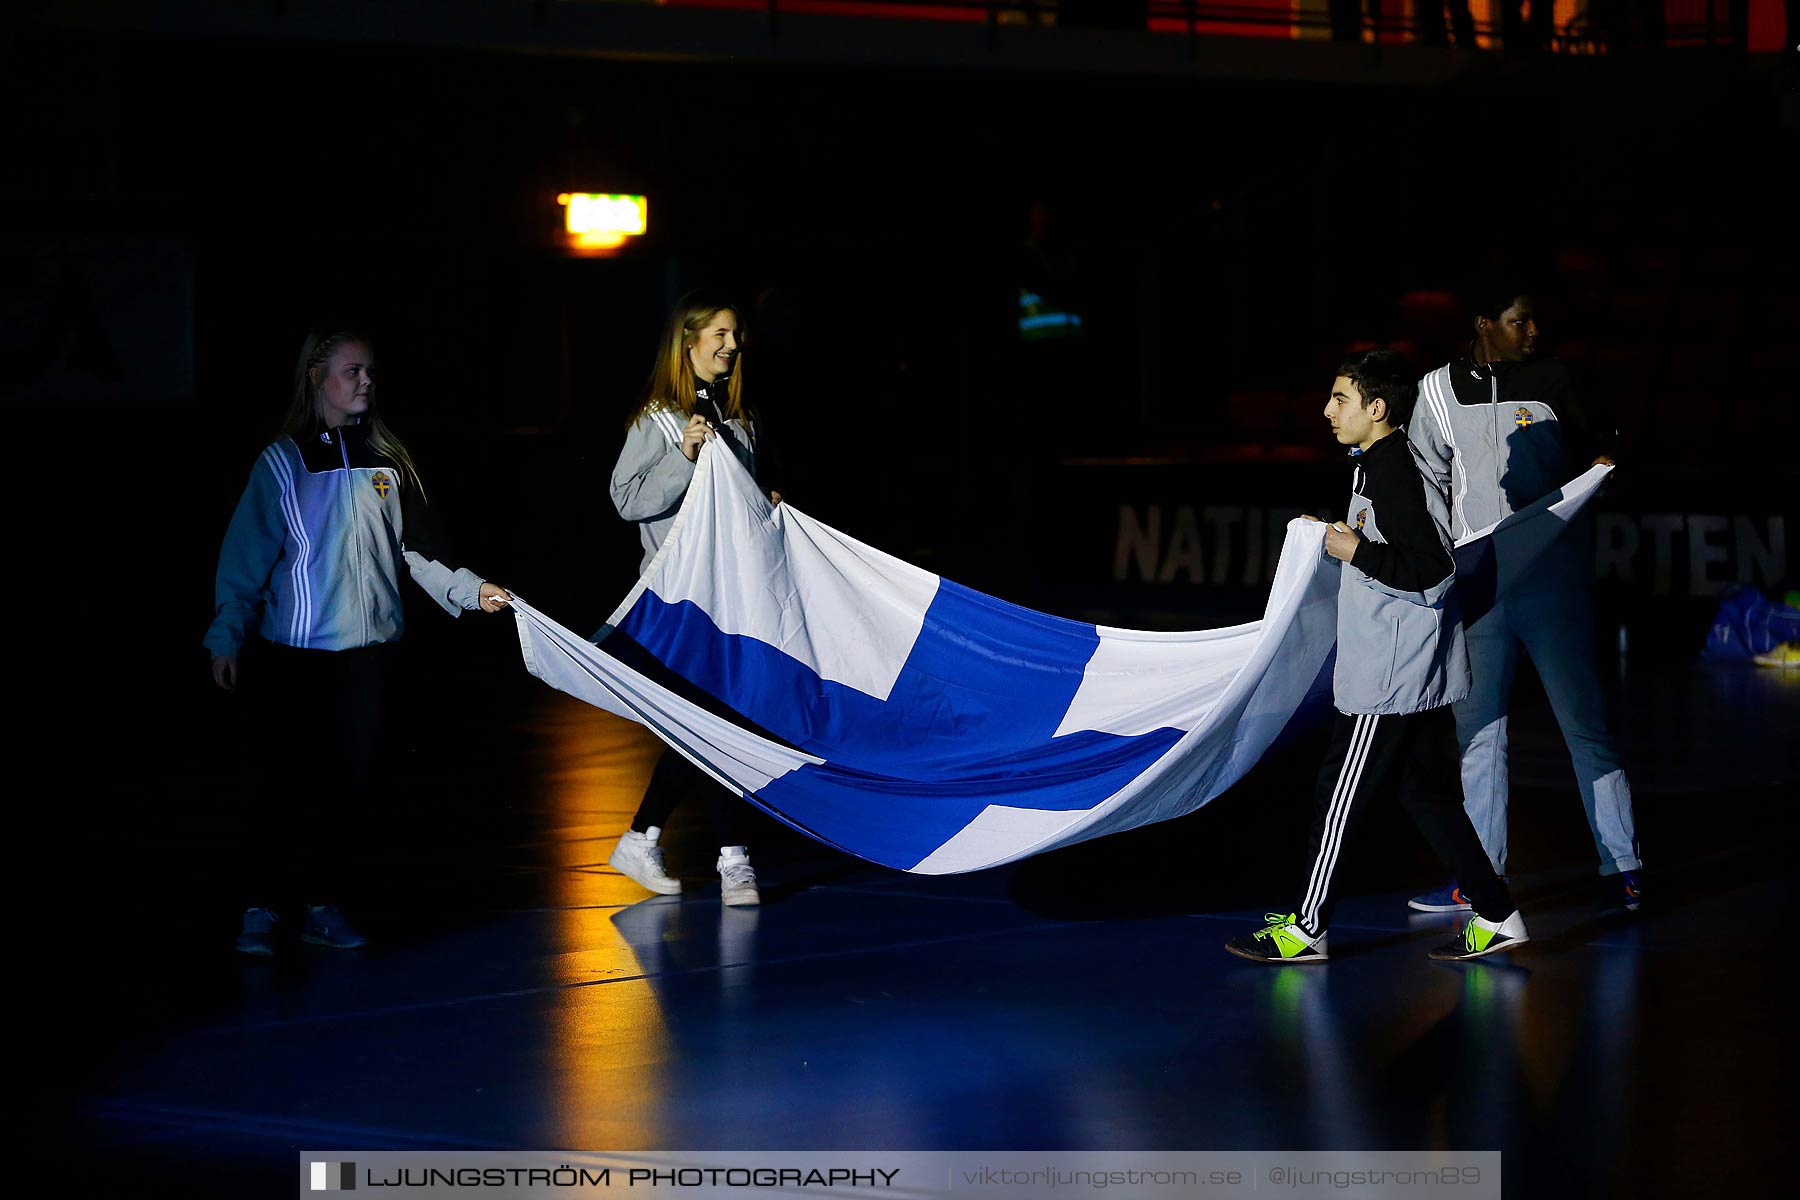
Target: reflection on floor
[{"x": 519, "y": 993}]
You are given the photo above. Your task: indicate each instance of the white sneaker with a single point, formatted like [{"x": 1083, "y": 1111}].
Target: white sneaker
[
  {"x": 638, "y": 857},
  {"x": 1481, "y": 938},
  {"x": 737, "y": 878}
]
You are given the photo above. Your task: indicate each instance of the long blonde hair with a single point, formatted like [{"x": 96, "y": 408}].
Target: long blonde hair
[
  {"x": 302, "y": 418},
  {"x": 672, "y": 380}
]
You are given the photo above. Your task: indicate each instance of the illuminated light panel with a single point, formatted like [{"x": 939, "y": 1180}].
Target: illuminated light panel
[{"x": 597, "y": 221}]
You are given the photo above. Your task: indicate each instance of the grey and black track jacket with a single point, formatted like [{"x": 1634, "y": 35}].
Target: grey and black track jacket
[
  {"x": 312, "y": 555},
  {"x": 652, "y": 474},
  {"x": 1499, "y": 436},
  {"x": 1400, "y": 642}
]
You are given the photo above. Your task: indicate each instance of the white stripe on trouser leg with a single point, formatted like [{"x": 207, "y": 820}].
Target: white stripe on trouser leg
[
  {"x": 1336, "y": 817},
  {"x": 1356, "y": 754}
]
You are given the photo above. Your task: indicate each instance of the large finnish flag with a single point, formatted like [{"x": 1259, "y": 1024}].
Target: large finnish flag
[{"x": 919, "y": 724}]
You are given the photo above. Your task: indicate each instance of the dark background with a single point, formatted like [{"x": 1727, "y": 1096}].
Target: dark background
[
  {"x": 184, "y": 205},
  {"x": 182, "y": 202}
]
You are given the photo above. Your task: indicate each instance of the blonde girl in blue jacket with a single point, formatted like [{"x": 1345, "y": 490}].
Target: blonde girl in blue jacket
[{"x": 309, "y": 582}]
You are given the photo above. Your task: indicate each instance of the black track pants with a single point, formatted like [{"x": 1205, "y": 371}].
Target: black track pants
[{"x": 1415, "y": 756}]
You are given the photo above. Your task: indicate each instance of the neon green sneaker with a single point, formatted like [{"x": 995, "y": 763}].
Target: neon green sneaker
[
  {"x": 1785, "y": 656},
  {"x": 1480, "y": 938},
  {"x": 1281, "y": 941}
]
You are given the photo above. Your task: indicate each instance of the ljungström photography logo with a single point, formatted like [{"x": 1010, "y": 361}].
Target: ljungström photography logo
[{"x": 332, "y": 1177}]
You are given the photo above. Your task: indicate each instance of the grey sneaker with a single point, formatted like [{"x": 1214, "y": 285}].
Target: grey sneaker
[
  {"x": 737, "y": 878},
  {"x": 638, "y": 857},
  {"x": 258, "y": 935},
  {"x": 326, "y": 926}
]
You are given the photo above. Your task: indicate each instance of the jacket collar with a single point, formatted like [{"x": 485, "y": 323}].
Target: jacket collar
[
  {"x": 712, "y": 396},
  {"x": 353, "y": 434},
  {"x": 1359, "y": 456},
  {"x": 1466, "y": 367}
]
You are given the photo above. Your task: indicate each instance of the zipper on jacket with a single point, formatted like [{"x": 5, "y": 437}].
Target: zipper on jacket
[
  {"x": 1494, "y": 415},
  {"x": 355, "y": 535}
]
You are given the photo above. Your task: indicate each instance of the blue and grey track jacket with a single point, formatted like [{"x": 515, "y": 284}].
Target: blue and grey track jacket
[
  {"x": 312, "y": 555},
  {"x": 1400, "y": 642},
  {"x": 1500, "y": 436}
]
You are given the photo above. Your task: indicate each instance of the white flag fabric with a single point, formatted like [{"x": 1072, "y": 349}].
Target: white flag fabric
[{"x": 918, "y": 724}]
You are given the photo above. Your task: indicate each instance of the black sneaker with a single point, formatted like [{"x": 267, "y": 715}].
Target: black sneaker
[
  {"x": 326, "y": 926},
  {"x": 1480, "y": 938},
  {"x": 257, "y": 938},
  {"x": 1280, "y": 941}
]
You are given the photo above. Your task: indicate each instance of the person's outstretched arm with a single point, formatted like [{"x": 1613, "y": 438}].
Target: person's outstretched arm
[
  {"x": 422, "y": 545},
  {"x": 1588, "y": 441}
]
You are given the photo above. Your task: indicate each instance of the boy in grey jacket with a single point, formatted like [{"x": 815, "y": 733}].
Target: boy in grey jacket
[{"x": 1401, "y": 663}]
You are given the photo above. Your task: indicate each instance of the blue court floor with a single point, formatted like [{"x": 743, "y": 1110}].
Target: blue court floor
[{"x": 518, "y": 993}]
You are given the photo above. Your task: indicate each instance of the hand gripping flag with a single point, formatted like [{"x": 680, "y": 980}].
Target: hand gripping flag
[{"x": 924, "y": 726}]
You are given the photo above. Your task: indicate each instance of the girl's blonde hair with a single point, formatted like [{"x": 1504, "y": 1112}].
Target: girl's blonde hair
[
  {"x": 672, "y": 380},
  {"x": 303, "y": 419}
]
